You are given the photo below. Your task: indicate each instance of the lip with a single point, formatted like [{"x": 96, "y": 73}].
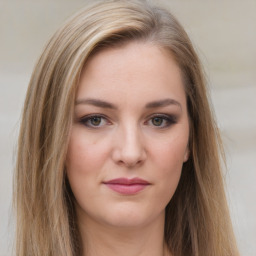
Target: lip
[{"x": 127, "y": 186}]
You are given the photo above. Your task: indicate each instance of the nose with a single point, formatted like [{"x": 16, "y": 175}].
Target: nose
[{"x": 129, "y": 149}]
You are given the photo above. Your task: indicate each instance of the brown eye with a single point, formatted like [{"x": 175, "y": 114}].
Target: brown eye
[
  {"x": 157, "y": 121},
  {"x": 95, "y": 121},
  {"x": 161, "y": 121}
]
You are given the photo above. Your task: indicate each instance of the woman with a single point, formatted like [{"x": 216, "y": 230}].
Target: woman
[{"x": 118, "y": 150}]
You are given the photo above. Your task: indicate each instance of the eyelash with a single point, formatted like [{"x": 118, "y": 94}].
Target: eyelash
[
  {"x": 168, "y": 120},
  {"x": 85, "y": 121}
]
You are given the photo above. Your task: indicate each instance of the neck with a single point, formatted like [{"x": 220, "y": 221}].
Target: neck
[{"x": 103, "y": 240}]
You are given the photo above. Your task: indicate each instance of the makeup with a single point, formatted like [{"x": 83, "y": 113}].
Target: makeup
[{"x": 126, "y": 186}]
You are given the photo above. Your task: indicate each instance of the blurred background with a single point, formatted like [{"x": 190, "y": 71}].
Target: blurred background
[{"x": 224, "y": 35}]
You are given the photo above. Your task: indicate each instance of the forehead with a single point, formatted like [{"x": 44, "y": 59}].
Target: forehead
[{"x": 133, "y": 69}]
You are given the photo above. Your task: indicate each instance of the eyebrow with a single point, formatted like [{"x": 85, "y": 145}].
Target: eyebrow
[
  {"x": 104, "y": 104},
  {"x": 95, "y": 102},
  {"x": 163, "y": 103}
]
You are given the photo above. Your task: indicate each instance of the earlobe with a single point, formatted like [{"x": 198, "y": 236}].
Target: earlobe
[{"x": 186, "y": 155}]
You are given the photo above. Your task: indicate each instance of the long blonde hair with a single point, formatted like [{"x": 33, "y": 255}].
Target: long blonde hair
[{"x": 197, "y": 217}]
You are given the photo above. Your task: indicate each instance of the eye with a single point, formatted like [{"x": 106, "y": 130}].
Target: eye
[
  {"x": 162, "y": 121},
  {"x": 94, "y": 121},
  {"x": 157, "y": 121}
]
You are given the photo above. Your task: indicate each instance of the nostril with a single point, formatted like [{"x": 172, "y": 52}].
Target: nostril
[
  {"x": 128, "y": 146},
  {"x": 129, "y": 157}
]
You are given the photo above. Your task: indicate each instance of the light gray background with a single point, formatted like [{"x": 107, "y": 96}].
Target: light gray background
[{"x": 224, "y": 33}]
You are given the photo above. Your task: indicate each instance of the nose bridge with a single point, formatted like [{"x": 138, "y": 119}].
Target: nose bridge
[
  {"x": 129, "y": 149},
  {"x": 132, "y": 138}
]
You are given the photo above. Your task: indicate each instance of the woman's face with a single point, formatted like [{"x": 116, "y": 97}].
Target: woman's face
[{"x": 129, "y": 137}]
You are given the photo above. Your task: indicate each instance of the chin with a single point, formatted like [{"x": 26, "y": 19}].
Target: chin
[
  {"x": 129, "y": 217},
  {"x": 126, "y": 221}
]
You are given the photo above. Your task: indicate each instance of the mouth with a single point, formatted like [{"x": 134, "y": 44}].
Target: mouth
[{"x": 126, "y": 186}]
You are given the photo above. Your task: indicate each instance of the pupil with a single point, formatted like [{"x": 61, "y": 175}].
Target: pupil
[
  {"x": 96, "y": 120},
  {"x": 157, "y": 121}
]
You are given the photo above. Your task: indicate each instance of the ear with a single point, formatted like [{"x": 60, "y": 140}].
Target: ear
[{"x": 186, "y": 155}]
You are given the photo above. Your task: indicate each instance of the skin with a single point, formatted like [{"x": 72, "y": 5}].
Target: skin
[{"x": 127, "y": 136}]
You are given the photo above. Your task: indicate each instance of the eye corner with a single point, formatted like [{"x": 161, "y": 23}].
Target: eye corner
[
  {"x": 94, "y": 121},
  {"x": 161, "y": 121}
]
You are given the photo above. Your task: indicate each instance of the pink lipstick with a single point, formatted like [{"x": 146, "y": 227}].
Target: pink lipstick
[{"x": 127, "y": 186}]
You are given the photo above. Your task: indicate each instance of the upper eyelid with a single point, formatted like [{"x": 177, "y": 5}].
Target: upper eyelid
[
  {"x": 148, "y": 117},
  {"x": 84, "y": 120},
  {"x": 171, "y": 119},
  {"x": 93, "y": 115},
  {"x": 166, "y": 116},
  {"x": 87, "y": 117}
]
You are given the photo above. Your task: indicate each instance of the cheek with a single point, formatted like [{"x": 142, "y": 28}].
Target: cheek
[
  {"x": 171, "y": 152},
  {"x": 169, "y": 157},
  {"x": 84, "y": 162},
  {"x": 84, "y": 153}
]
